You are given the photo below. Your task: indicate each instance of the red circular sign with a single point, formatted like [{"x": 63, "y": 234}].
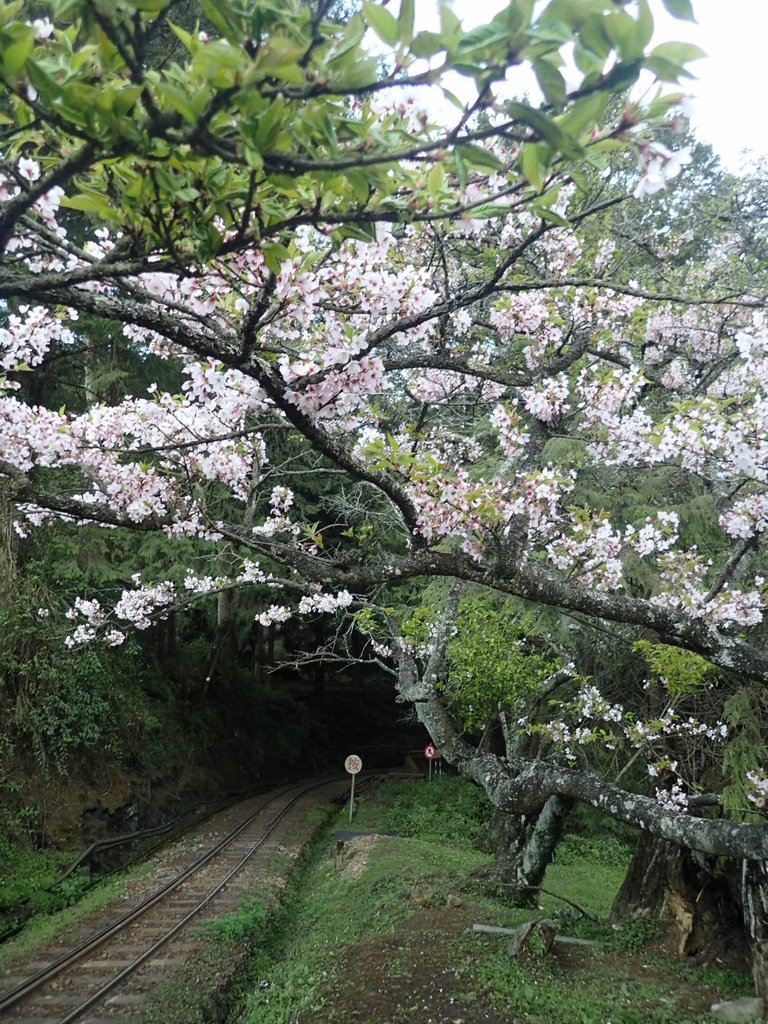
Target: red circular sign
[{"x": 430, "y": 752}]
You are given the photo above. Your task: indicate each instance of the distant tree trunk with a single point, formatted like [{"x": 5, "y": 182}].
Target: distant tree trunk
[
  {"x": 224, "y": 663},
  {"x": 318, "y": 682},
  {"x": 163, "y": 645},
  {"x": 318, "y": 675},
  {"x": 263, "y": 651},
  {"x": 9, "y": 547},
  {"x": 259, "y": 656},
  {"x": 523, "y": 848}
]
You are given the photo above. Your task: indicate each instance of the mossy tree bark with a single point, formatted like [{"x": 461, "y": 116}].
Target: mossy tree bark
[
  {"x": 714, "y": 910},
  {"x": 523, "y": 847},
  {"x": 9, "y": 545}
]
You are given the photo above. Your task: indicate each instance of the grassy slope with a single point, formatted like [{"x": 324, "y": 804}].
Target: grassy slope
[{"x": 386, "y": 937}]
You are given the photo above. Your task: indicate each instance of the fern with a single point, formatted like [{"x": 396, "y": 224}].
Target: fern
[{"x": 746, "y": 715}]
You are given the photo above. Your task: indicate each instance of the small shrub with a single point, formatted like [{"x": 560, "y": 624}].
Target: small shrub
[
  {"x": 636, "y": 931},
  {"x": 240, "y": 925}
]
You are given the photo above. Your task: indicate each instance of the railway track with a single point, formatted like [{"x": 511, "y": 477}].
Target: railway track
[{"x": 106, "y": 975}]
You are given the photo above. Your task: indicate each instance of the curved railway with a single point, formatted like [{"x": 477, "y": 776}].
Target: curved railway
[{"x": 97, "y": 979}]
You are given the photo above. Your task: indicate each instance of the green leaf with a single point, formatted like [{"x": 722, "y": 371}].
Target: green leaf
[
  {"x": 593, "y": 39},
  {"x": 178, "y": 100},
  {"x": 405, "y": 21},
  {"x": 348, "y": 46},
  {"x": 223, "y": 18},
  {"x": 450, "y": 26},
  {"x": 551, "y": 216},
  {"x": 151, "y": 6},
  {"x": 517, "y": 16},
  {"x": 678, "y": 53},
  {"x": 14, "y": 57},
  {"x": 546, "y": 129},
  {"x": 622, "y": 76},
  {"x": 572, "y": 14},
  {"x": 644, "y": 29},
  {"x": 359, "y": 184},
  {"x": 382, "y": 22},
  {"x": 274, "y": 256},
  {"x": 476, "y": 156},
  {"x": 253, "y": 157},
  {"x": 436, "y": 180},
  {"x": 666, "y": 70},
  {"x": 89, "y": 203},
  {"x": 584, "y": 114},
  {"x": 681, "y": 9},
  {"x": 427, "y": 44},
  {"x": 533, "y": 165},
  {"x": 483, "y": 36},
  {"x": 620, "y": 29},
  {"x": 461, "y": 168},
  {"x": 185, "y": 38},
  {"x": 551, "y": 82},
  {"x": 452, "y": 98},
  {"x": 579, "y": 178}
]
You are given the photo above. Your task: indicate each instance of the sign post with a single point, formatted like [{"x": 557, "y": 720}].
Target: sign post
[
  {"x": 353, "y": 764},
  {"x": 430, "y": 753}
]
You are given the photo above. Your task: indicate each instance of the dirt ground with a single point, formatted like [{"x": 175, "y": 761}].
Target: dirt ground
[{"x": 416, "y": 975}]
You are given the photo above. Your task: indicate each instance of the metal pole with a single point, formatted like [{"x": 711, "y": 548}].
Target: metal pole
[
  {"x": 430, "y": 771},
  {"x": 352, "y": 799}
]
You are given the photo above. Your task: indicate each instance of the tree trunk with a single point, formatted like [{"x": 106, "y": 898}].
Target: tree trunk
[
  {"x": 9, "y": 546},
  {"x": 163, "y": 646},
  {"x": 523, "y": 847},
  {"x": 696, "y": 895},
  {"x": 754, "y": 900},
  {"x": 259, "y": 655},
  {"x": 223, "y": 668}
]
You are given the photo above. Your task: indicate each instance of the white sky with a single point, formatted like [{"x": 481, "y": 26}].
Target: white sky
[{"x": 731, "y": 89}]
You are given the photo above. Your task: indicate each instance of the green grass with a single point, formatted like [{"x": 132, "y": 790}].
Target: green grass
[
  {"x": 329, "y": 913},
  {"x": 48, "y": 926},
  {"x": 541, "y": 994},
  {"x": 446, "y": 810},
  {"x": 593, "y": 886},
  {"x": 331, "y": 917}
]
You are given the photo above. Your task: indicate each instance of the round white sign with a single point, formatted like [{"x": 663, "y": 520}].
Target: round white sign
[{"x": 353, "y": 764}]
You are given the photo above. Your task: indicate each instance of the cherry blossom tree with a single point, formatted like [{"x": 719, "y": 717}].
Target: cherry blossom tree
[{"x": 429, "y": 308}]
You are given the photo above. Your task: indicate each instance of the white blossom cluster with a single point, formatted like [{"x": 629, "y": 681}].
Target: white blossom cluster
[
  {"x": 95, "y": 619},
  {"x": 202, "y": 584},
  {"x": 251, "y": 572},
  {"x": 325, "y": 602},
  {"x": 590, "y": 713},
  {"x": 758, "y": 789},
  {"x": 673, "y": 799},
  {"x": 590, "y": 703},
  {"x": 136, "y": 606},
  {"x": 275, "y": 613},
  {"x": 659, "y": 165},
  {"x": 317, "y": 602}
]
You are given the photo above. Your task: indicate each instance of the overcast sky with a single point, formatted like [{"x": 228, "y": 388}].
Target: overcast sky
[{"x": 731, "y": 90}]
